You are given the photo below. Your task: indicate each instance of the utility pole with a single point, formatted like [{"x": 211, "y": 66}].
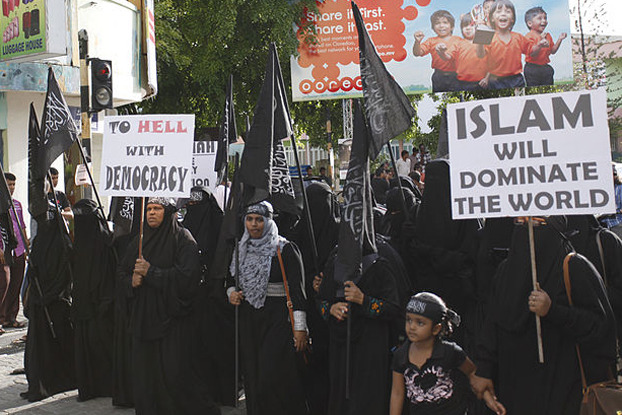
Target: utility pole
[{"x": 85, "y": 116}]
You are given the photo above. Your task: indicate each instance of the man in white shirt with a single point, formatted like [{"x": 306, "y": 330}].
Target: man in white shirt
[{"x": 403, "y": 164}]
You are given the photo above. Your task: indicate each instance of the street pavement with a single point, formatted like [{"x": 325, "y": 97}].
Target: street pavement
[{"x": 12, "y": 358}]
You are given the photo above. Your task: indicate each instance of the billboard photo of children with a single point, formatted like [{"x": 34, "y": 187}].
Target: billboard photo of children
[{"x": 514, "y": 57}]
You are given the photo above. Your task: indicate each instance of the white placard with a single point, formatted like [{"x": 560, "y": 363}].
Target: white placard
[
  {"x": 535, "y": 155},
  {"x": 82, "y": 175},
  {"x": 204, "y": 157},
  {"x": 147, "y": 155}
]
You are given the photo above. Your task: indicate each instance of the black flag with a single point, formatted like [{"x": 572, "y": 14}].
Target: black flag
[
  {"x": 37, "y": 201},
  {"x": 283, "y": 197},
  {"x": 228, "y": 133},
  {"x": 58, "y": 130},
  {"x": 263, "y": 170},
  {"x": 356, "y": 231},
  {"x": 256, "y": 164},
  {"x": 122, "y": 214},
  {"x": 229, "y": 230},
  {"x": 388, "y": 110}
]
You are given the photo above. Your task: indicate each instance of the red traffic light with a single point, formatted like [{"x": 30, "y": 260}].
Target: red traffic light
[{"x": 102, "y": 71}]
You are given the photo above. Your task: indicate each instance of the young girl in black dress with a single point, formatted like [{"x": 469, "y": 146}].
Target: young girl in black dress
[{"x": 432, "y": 373}]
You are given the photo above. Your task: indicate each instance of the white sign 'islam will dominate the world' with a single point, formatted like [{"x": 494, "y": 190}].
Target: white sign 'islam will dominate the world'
[{"x": 534, "y": 155}]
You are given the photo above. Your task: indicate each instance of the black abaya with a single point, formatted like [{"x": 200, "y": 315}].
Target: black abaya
[
  {"x": 93, "y": 301},
  {"x": 507, "y": 350},
  {"x": 584, "y": 231},
  {"x": 325, "y": 218},
  {"x": 214, "y": 315},
  {"x": 370, "y": 342},
  {"x": 163, "y": 370},
  {"x": 271, "y": 366},
  {"x": 49, "y": 361}
]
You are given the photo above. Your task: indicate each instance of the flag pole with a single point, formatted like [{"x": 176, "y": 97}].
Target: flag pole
[
  {"x": 534, "y": 280},
  {"x": 348, "y": 344},
  {"x": 237, "y": 307},
  {"x": 306, "y": 207},
  {"x": 237, "y": 323}
]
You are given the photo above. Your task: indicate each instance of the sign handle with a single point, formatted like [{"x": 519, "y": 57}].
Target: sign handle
[
  {"x": 142, "y": 227},
  {"x": 534, "y": 280}
]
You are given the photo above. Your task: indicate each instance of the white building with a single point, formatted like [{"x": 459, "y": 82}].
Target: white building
[{"x": 116, "y": 31}]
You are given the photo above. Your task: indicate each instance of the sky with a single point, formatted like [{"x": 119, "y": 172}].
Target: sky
[{"x": 613, "y": 9}]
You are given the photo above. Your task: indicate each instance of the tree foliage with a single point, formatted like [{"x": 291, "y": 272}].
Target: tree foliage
[{"x": 200, "y": 43}]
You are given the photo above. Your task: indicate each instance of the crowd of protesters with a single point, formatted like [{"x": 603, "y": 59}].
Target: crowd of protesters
[{"x": 442, "y": 313}]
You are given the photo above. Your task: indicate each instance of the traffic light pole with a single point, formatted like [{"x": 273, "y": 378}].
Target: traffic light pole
[{"x": 85, "y": 135}]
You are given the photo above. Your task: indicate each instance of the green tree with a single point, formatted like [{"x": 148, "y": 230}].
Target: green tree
[{"x": 199, "y": 43}]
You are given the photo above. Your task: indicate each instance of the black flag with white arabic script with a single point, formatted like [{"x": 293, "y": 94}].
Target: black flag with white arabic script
[
  {"x": 256, "y": 164},
  {"x": 264, "y": 170},
  {"x": 356, "y": 230},
  {"x": 122, "y": 215},
  {"x": 228, "y": 133},
  {"x": 387, "y": 108},
  {"x": 37, "y": 201},
  {"x": 283, "y": 197},
  {"x": 58, "y": 129}
]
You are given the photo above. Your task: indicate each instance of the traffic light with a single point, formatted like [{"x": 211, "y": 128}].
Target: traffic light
[{"x": 101, "y": 84}]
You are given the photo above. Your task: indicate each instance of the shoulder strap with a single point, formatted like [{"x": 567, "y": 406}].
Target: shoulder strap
[
  {"x": 569, "y": 295},
  {"x": 599, "y": 243},
  {"x": 290, "y": 305}
]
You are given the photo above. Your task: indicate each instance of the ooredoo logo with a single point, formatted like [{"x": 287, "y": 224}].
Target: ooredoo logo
[{"x": 318, "y": 86}]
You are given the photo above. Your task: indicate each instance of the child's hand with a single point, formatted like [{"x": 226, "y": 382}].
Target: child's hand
[
  {"x": 484, "y": 82},
  {"x": 539, "y": 302},
  {"x": 563, "y": 36},
  {"x": 419, "y": 36},
  {"x": 441, "y": 48},
  {"x": 493, "y": 404},
  {"x": 543, "y": 43}
]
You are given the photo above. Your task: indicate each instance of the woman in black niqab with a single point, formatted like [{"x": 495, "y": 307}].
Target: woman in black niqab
[
  {"x": 160, "y": 289},
  {"x": 48, "y": 360},
  {"x": 443, "y": 251},
  {"x": 325, "y": 213},
  {"x": 585, "y": 234},
  {"x": 92, "y": 309},
  {"x": 507, "y": 348},
  {"x": 214, "y": 315}
]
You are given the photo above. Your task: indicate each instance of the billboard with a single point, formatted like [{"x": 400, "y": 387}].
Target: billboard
[
  {"x": 535, "y": 155},
  {"x": 33, "y": 29},
  {"x": 408, "y": 44}
]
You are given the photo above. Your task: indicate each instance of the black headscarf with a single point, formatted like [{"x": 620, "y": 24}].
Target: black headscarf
[
  {"x": 395, "y": 216},
  {"x": 203, "y": 219},
  {"x": 494, "y": 246},
  {"x": 94, "y": 264},
  {"x": 581, "y": 230},
  {"x": 513, "y": 281},
  {"x": 325, "y": 217},
  {"x": 435, "y": 226}
]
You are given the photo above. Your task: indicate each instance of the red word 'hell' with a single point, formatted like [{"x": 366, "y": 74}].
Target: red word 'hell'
[{"x": 149, "y": 126}]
